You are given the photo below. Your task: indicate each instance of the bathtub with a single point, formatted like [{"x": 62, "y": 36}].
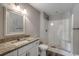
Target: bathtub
[{"x": 60, "y": 51}]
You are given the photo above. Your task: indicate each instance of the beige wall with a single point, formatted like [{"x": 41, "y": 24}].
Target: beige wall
[
  {"x": 43, "y": 27},
  {"x": 32, "y": 21}
]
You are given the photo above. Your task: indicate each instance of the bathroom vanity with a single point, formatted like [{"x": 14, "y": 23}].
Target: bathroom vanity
[
  {"x": 20, "y": 48},
  {"x": 14, "y": 25}
]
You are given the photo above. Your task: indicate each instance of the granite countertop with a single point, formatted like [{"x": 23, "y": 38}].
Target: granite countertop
[{"x": 15, "y": 44}]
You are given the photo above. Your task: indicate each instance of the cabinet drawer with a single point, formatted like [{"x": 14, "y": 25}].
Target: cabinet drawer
[{"x": 27, "y": 47}]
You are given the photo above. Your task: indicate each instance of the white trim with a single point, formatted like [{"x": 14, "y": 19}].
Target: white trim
[{"x": 72, "y": 33}]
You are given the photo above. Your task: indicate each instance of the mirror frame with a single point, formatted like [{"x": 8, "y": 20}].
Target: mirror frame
[{"x": 6, "y": 20}]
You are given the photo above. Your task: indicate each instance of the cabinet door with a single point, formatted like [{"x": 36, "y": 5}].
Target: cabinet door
[
  {"x": 33, "y": 51},
  {"x": 13, "y": 53},
  {"x": 25, "y": 50}
]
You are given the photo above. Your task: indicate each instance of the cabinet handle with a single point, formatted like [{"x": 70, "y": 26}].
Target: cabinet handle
[{"x": 26, "y": 54}]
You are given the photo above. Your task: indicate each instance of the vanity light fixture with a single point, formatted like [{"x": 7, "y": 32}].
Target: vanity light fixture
[{"x": 23, "y": 11}]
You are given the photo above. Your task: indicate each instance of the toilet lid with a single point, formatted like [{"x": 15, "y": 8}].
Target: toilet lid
[{"x": 43, "y": 46}]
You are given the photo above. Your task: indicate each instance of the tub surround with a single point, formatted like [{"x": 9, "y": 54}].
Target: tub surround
[{"x": 12, "y": 45}]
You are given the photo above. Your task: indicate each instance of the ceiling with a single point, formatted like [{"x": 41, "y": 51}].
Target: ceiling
[{"x": 53, "y": 8}]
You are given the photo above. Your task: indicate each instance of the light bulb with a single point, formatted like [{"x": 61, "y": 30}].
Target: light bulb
[
  {"x": 24, "y": 11},
  {"x": 13, "y": 6},
  {"x": 51, "y": 24},
  {"x": 18, "y": 8}
]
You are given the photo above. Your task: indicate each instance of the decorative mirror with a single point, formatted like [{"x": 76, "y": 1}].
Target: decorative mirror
[{"x": 14, "y": 22}]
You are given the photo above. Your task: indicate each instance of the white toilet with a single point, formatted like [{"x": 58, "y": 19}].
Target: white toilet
[{"x": 43, "y": 49}]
